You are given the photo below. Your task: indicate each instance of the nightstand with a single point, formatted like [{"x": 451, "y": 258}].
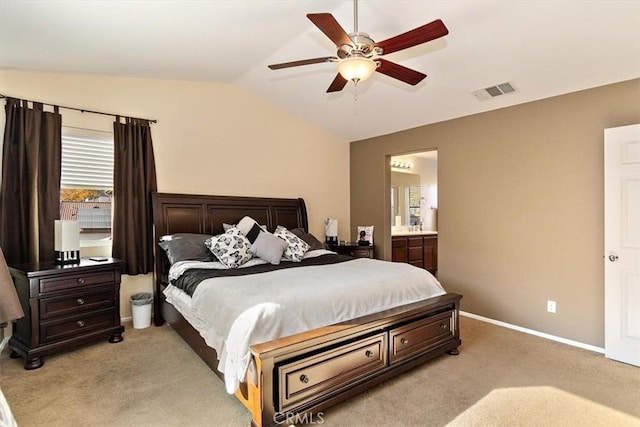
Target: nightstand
[
  {"x": 353, "y": 249},
  {"x": 65, "y": 306}
]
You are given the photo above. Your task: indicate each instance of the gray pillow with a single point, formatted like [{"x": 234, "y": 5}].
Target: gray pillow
[
  {"x": 309, "y": 238},
  {"x": 186, "y": 246},
  {"x": 265, "y": 245}
]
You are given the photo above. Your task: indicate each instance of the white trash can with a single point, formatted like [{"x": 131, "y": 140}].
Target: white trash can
[{"x": 141, "y": 310}]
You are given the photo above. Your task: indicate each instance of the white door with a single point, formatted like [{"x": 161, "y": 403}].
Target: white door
[{"x": 622, "y": 243}]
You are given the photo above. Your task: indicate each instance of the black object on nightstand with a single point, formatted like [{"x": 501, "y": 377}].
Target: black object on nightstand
[
  {"x": 353, "y": 249},
  {"x": 65, "y": 306}
]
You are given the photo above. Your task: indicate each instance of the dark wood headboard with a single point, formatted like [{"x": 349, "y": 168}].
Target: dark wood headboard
[{"x": 192, "y": 213}]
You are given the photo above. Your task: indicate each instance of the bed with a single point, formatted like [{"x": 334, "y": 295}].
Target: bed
[{"x": 290, "y": 377}]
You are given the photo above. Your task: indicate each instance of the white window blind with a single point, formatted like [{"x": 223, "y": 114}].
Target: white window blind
[{"x": 87, "y": 159}]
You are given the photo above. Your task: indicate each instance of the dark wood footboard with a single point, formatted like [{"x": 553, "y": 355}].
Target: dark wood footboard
[
  {"x": 300, "y": 375},
  {"x": 294, "y": 377}
]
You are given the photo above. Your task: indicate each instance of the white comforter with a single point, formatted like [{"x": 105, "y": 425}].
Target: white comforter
[{"x": 233, "y": 313}]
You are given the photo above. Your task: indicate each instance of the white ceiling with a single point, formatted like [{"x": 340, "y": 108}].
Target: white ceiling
[{"x": 544, "y": 48}]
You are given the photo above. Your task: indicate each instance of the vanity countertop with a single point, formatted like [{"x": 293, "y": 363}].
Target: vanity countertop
[{"x": 414, "y": 233}]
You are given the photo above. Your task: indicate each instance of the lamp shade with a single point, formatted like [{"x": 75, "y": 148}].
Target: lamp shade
[
  {"x": 67, "y": 241},
  {"x": 331, "y": 229},
  {"x": 357, "y": 68},
  {"x": 67, "y": 236}
]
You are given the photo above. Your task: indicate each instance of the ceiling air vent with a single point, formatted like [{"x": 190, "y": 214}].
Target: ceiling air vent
[{"x": 493, "y": 91}]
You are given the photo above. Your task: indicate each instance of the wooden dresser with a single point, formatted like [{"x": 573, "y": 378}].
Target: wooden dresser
[
  {"x": 65, "y": 306},
  {"x": 420, "y": 250}
]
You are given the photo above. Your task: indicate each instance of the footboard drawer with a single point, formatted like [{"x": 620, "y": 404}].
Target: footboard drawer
[
  {"x": 314, "y": 376},
  {"x": 420, "y": 336}
]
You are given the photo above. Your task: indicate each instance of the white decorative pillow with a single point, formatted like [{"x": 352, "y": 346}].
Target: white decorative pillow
[
  {"x": 246, "y": 224},
  {"x": 231, "y": 248},
  {"x": 296, "y": 246},
  {"x": 226, "y": 226}
]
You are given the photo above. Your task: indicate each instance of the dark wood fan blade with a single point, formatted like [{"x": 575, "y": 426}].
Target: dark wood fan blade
[
  {"x": 337, "y": 84},
  {"x": 330, "y": 27},
  {"x": 399, "y": 72},
  {"x": 423, "y": 34},
  {"x": 302, "y": 62}
]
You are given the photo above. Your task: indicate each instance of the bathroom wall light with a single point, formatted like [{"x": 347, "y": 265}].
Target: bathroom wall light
[{"x": 401, "y": 164}]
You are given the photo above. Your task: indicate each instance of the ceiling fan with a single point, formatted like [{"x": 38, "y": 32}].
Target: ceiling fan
[{"x": 358, "y": 56}]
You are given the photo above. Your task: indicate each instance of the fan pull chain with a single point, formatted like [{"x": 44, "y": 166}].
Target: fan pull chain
[{"x": 355, "y": 90}]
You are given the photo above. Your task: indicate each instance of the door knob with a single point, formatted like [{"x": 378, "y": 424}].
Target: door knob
[{"x": 613, "y": 257}]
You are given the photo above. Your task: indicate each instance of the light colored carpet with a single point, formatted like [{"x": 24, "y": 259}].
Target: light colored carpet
[
  {"x": 540, "y": 406},
  {"x": 501, "y": 378}
]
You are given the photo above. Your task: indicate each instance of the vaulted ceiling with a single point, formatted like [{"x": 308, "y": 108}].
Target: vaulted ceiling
[{"x": 543, "y": 48}]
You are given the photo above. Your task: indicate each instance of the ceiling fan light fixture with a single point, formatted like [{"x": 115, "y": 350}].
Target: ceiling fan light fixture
[{"x": 357, "y": 68}]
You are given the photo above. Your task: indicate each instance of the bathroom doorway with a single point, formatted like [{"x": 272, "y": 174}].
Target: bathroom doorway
[
  {"x": 414, "y": 192},
  {"x": 414, "y": 209}
]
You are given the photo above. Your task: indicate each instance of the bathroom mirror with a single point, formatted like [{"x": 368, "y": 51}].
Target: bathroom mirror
[{"x": 405, "y": 198}]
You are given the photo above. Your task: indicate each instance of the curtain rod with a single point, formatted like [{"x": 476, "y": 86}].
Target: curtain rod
[{"x": 82, "y": 110}]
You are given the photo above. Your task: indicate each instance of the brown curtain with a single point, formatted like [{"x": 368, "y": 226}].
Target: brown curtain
[
  {"x": 134, "y": 178},
  {"x": 30, "y": 191}
]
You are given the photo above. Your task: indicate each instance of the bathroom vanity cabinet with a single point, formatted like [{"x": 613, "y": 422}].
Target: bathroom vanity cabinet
[{"x": 420, "y": 250}]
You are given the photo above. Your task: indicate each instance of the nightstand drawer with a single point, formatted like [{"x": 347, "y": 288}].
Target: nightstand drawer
[
  {"x": 362, "y": 253},
  {"x": 353, "y": 249},
  {"x": 72, "y": 304},
  {"x": 57, "y": 330},
  {"x": 75, "y": 281}
]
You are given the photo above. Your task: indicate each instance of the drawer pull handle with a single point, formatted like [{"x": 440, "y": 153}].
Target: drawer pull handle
[
  {"x": 443, "y": 326},
  {"x": 304, "y": 378},
  {"x": 404, "y": 341},
  {"x": 80, "y": 280},
  {"x": 369, "y": 353},
  {"x": 80, "y": 323},
  {"x": 80, "y": 301}
]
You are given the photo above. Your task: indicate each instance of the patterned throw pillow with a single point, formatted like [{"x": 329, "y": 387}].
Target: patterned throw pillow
[
  {"x": 231, "y": 248},
  {"x": 296, "y": 246}
]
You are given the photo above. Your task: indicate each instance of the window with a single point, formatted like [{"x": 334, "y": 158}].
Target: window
[
  {"x": 414, "y": 205},
  {"x": 86, "y": 183}
]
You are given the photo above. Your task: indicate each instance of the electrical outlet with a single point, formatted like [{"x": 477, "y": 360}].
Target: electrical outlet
[{"x": 551, "y": 306}]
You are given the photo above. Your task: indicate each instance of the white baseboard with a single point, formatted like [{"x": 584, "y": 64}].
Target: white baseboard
[{"x": 533, "y": 332}]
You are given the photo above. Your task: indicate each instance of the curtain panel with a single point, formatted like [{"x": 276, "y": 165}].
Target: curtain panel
[
  {"x": 134, "y": 179},
  {"x": 30, "y": 190}
]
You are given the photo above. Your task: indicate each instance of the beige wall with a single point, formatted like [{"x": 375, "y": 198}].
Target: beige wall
[
  {"x": 211, "y": 138},
  {"x": 520, "y": 213}
]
